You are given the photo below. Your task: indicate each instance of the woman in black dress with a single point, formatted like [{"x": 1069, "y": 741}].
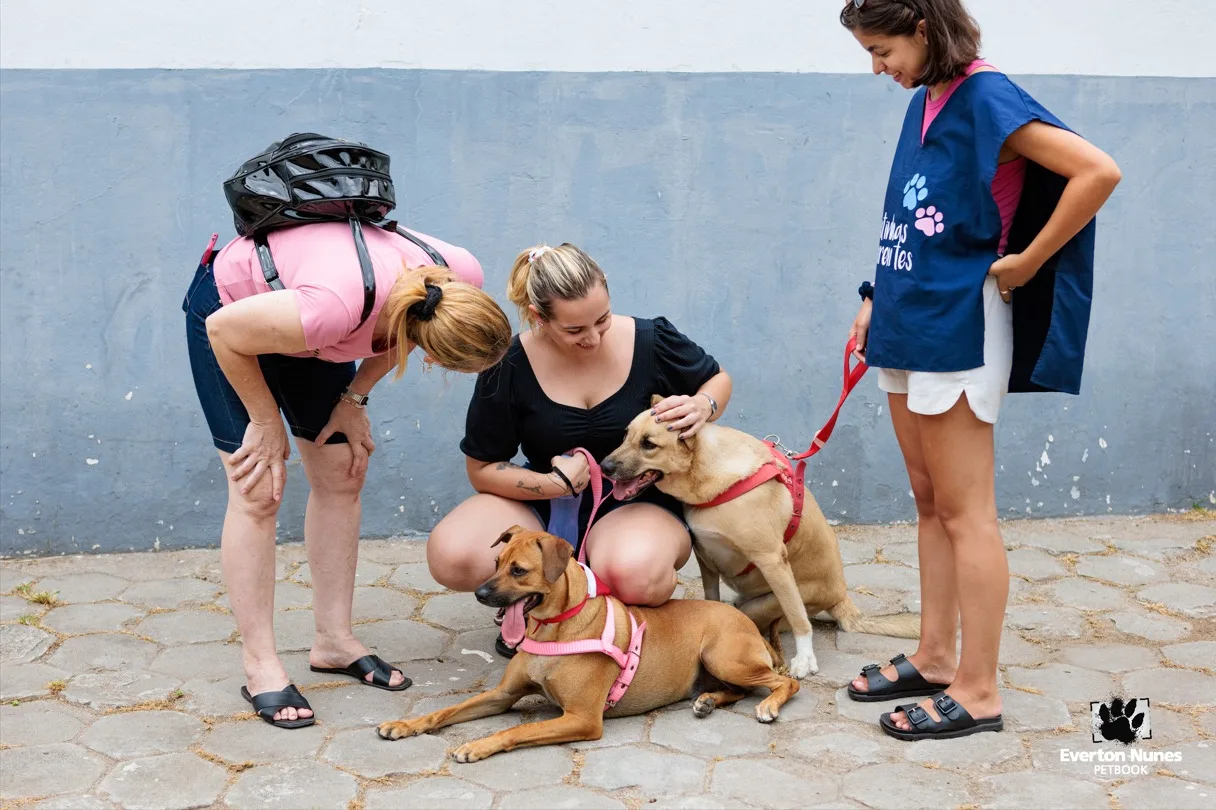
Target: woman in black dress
[{"x": 576, "y": 379}]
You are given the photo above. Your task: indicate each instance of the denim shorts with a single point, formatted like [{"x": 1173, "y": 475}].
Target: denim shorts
[{"x": 305, "y": 388}]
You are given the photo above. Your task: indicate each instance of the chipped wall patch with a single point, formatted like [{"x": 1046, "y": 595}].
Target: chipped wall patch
[{"x": 91, "y": 461}]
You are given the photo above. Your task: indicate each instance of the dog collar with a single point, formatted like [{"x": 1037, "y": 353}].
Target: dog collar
[{"x": 595, "y": 587}]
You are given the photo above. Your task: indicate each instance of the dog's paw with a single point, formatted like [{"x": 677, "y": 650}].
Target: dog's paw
[
  {"x": 803, "y": 665},
  {"x": 703, "y": 706},
  {"x": 472, "y": 752},
  {"x": 397, "y": 730},
  {"x": 766, "y": 714}
]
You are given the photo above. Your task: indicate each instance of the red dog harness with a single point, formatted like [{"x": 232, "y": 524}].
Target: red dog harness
[
  {"x": 627, "y": 660},
  {"x": 779, "y": 467}
]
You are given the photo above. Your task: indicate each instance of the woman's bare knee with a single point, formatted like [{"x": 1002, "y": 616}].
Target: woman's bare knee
[{"x": 451, "y": 560}]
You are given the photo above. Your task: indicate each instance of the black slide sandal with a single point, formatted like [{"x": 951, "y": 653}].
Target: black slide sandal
[
  {"x": 955, "y": 722},
  {"x": 267, "y": 703},
  {"x": 381, "y": 670},
  {"x": 909, "y": 684}
]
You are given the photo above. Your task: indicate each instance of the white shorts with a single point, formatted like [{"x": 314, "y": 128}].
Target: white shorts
[{"x": 933, "y": 392}]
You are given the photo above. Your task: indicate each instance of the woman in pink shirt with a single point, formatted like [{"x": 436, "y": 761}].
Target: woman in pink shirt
[{"x": 256, "y": 352}]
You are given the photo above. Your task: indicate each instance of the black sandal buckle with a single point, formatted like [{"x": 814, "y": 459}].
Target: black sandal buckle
[
  {"x": 916, "y": 715},
  {"x": 870, "y": 667},
  {"x": 945, "y": 704}
]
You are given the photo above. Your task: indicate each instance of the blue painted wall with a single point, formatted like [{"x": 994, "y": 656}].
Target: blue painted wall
[{"x": 745, "y": 207}]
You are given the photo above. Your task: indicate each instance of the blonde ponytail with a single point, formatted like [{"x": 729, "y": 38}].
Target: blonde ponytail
[
  {"x": 543, "y": 274},
  {"x": 456, "y": 323}
]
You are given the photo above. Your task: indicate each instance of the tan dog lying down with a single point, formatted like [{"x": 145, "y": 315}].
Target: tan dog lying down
[
  {"x": 689, "y": 648},
  {"x": 786, "y": 579}
]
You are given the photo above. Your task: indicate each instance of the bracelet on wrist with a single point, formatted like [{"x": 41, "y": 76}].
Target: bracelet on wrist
[
  {"x": 866, "y": 291},
  {"x": 565, "y": 480}
]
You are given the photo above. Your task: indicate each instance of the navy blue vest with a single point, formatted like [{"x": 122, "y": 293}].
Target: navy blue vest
[{"x": 940, "y": 232}]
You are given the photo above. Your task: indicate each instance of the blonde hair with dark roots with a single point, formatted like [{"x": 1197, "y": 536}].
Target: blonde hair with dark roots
[
  {"x": 543, "y": 274},
  {"x": 466, "y": 331}
]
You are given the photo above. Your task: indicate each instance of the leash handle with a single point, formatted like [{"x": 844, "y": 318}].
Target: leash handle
[{"x": 852, "y": 376}]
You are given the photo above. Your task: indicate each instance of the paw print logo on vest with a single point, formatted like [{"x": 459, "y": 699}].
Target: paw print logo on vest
[
  {"x": 929, "y": 221},
  {"x": 914, "y": 191}
]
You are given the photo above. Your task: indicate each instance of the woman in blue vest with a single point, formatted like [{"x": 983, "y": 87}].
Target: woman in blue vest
[{"x": 983, "y": 283}]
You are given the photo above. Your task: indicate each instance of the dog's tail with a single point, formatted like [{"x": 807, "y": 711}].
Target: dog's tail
[{"x": 851, "y": 620}]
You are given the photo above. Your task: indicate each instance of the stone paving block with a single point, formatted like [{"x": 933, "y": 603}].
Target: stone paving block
[
  {"x": 186, "y": 627},
  {"x": 1198, "y": 760},
  {"x": 111, "y": 690},
  {"x": 1164, "y": 793},
  {"x": 142, "y": 734},
  {"x": 884, "y": 647},
  {"x": 81, "y": 801},
  {"x": 292, "y": 785},
  {"x": 850, "y": 749},
  {"x": 21, "y": 681},
  {"x": 1035, "y": 565},
  {"x": 1068, "y": 682},
  {"x": 415, "y": 577},
  {"x": 721, "y": 734},
  {"x": 287, "y": 595},
  {"x": 1060, "y": 622},
  {"x": 74, "y": 620},
  {"x": 166, "y": 782},
  {"x": 13, "y": 577},
  {"x": 14, "y": 607},
  {"x": 458, "y": 611},
  {"x": 906, "y": 786},
  {"x": 366, "y": 573},
  {"x": 1152, "y": 626},
  {"x": 882, "y": 577},
  {"x": 762, "y": 784},
  {"x": 1161, "y": 547},
  {"x": 435, "y": 792},
  {"x": 1049, "y": 539},
  {"x": 853, "y": 553},
  {"x": 519, "y": 769},
  {"x": 473, "y": 644},
  {"x": 1181, "y": 687},
  {"x": 48, "y": 770},
  {"x": 1171, "y": 727},
  {"x": 903, "y": 553},
  {"x": 382, "y": 603},
  {"x": 863, "y": 712},
  {"x": 801, "y": 706},
  {"x": 170, "y": 593},
  {"x": 259, "y": 742},
  {"x": 363, "y": 752},
  {"x": 1112, "y": 657},
  {"x": 294, "y": 630},
  {"x": 1017, "y": 791},
  {"x": 698, "y": 802},
  {"x": 650, "y": 772},
  {"x": 40, "y": 723},
  {"x": 617, "y": 731},
  {"x": 82, "y": 588},
  {"x": 1122, "y": 570},
  {"x": 561, "y": 797},
  {"x": 1193, "y": 654},
  {"x": 356, "y": 706},
  {"x": 1045, "y": 753},
  {"x": 394, "y": 550},
  {"x": 103, "y": 652},
  {"x": 403, "y": 640},
  {"x": 838, "y": 668},
  {"x": 1016, "y": 651},
  {"x": 1086, "y": 594},
  {"x": 440, "y": 677},
  {"x": 1026, "y": 712},
  {"x": 1195, "y": 601},
  {"x": 215, "y": 698},
  {"x": 214, "y": 661},
  {"x": 969, "y": 753},
  {"x": 21, "y": 644}
]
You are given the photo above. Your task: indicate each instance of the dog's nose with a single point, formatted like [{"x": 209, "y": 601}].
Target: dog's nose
[
  {"x": 483, "y": 593},
  {"x": 608, "y": 466}
]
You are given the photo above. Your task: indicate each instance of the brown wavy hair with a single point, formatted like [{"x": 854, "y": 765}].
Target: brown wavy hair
[
  {"x": 464, "y": 329},
  {"x": 952, "y": 34}
]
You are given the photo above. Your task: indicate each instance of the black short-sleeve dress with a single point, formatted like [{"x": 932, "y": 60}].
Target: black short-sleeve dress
[{"x": 509, "y": 411}]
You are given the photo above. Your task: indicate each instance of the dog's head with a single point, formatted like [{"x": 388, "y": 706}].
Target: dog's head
[
  {"x": 649, "y": 452},
  {"x": 525, "y": 569}
]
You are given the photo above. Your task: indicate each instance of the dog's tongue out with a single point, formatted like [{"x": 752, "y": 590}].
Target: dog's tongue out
[
  {"x": 624, "y": 490},
  {"x": 514, "y": 625}
]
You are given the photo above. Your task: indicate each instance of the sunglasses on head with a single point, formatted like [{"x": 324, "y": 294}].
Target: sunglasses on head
[{"x": 858, "y": 3}]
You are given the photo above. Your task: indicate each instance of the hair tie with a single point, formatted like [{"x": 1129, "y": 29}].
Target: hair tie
[
  {"x": 536, "y": 252},
  {"x": 425, "y": 310}
]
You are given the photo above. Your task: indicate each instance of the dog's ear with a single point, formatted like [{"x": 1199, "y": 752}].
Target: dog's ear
[
  {"x": 555, "y": 554},
  {"x": 506, "y": 536},
  {"x": 691, "y": 442},
  {"x": 655, "y": 399}
]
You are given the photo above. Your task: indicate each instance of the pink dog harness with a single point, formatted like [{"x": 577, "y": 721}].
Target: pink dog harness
[{"x": 627, "y": 660}]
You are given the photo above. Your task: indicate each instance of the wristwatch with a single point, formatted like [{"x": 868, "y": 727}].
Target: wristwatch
[
  {"x": 358, "y": 400},
  {"x": 713, "y": 405}
]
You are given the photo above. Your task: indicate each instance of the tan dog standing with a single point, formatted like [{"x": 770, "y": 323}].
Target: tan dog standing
[
  {"x": 691, "y": 647},
  {"x": 787, "y": 578}
]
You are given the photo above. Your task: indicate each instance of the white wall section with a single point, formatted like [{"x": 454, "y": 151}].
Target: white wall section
[{"x": 1087, "y": 37}]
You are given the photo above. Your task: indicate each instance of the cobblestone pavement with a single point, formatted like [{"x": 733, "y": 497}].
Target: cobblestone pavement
[{"x": 120, "y": 684}]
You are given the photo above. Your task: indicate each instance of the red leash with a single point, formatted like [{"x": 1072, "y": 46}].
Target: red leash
[{"x": 780, "y": 466}]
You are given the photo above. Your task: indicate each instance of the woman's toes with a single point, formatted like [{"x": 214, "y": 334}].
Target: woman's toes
[
  {"x": 396, "y": 679},
  {"x": 860, "y": 685}
]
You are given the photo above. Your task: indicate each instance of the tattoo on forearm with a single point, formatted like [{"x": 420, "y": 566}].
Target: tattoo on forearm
[
  {"x": 506, "y": 465},
  {"x": 526, "y": 487}
]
